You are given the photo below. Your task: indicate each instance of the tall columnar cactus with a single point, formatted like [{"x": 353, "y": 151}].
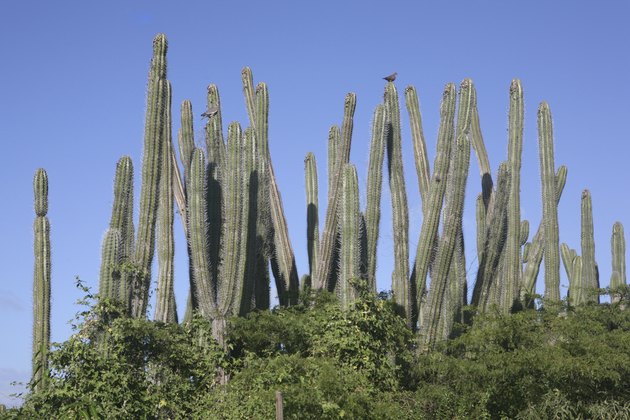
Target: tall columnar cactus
[
  {"x": 589, "y": 270},
  {"x": 618, "y": 247},
  {"x": 512, "y": 269},
  {"x": 149, "y": 195},
  {"x": 350, "y": 253},
  {"x": 41, "y": 283},
  {"x": 374, "y": 187},
  {"x": 437, "y": 189},
  {"x": 482, "y": 155},
  {"x": 400, "y": 210},
  {"x": 550, "y": 204},
  {"x": 535, "y": 252},
  {"x": 312, "y": 210},
  {"x": 109, "y": 279},
  {"x": 328, "y": 240},
  {"x": 165, "y": 308},
  {"x": 204, "y": 286},
  {"x": 122, "y": 221},
  {"x": 282, "y": 257},
  {"x": 453, "y": 218},
  {"x": 419, "y": 145}
]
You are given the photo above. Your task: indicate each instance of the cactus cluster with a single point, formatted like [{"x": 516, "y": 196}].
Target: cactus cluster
[{"x": 232, "y": 215}]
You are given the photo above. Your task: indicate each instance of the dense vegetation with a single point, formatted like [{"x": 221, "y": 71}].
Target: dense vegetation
[{"x": 329, "y": 363}]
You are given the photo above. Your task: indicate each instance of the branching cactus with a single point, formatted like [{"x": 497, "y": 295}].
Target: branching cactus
[
  {"x": 165, "y": 308},
  {"x": 374, "y": 188},
  {"x": 328, "y": 241},
  {"x": 550, "y": 204},
  {"x": 400, "y": 211},
  {"x": 618, "y": 247},
  {"x": 535, "y": 251},
  {"x": 41, "y": 283},
  {"x": 437, "y": 189},
  {"x": 589, "y": 270},
  {"x": 452, "y": 223},
  {"x": 350, "y": 225},
  {"x": 312, "y": 210},
  {"x": 151, "y": 164}
]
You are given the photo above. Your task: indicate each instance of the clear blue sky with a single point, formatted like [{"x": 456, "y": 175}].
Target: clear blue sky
[{"x": 72, "y": 100}]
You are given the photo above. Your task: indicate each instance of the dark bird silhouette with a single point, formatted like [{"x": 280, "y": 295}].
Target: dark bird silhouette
[
  {"x": 210, "y": 112},
  {"x": 391, "y": 77}
]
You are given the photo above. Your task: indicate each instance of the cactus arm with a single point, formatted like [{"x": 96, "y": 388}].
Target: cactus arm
[
  {"x": 374, "y": 188},
  {"x": 550, "y": 204},
  {"x": 577, "y": 288},
  {"x": 481, "y": 153},
  {"x": 252, "y": 252},
  {"x": 419, "y": 145},
  {"x": 400, "y": 210},
  {"x": 110, "y": 265},
  {"x": 41, "y": 283},
  {"x": 312, "y": 210},
  {"x": 567, "y": 260},
  {"x": 589, "y": 273},
  {"x": 329, "y": 234},
  {"x": 350, "y": 252},
  {"x": 250, "y": 97},
  {"x": 334, "y": 141},
  {"x": 215, "y": 145}
]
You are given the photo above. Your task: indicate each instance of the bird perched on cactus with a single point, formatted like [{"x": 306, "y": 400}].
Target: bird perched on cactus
[
  {"x": 212, "y": 110},
  {"x": 391, "y": 77}
]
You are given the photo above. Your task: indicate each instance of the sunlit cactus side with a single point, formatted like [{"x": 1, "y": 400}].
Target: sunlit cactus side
[
  {"x": 151, "y": 165},
  {"x": 186, "y": 138},
  {"x": 618, "y": 247},
  {"x": 165, "y": 307},
  {"x": 419, "y": 145},
  {"x": 536, "y": 248},
  {"x": 437, "y": 189},
  {"x": 249, "y": 93},
  {"x": 589, "y": 270},
  {"x": 451, "y": 234},
  {"x": 350, "y": 226},
  {"x": 312, "y": 210},
  {"x": 109, "y": 278},
  {"x": 282, "y": 257},
  {"x": 329, "y": 235},
  {"x": 41, "y": 283},
  {"x": 374, "y": 188},
  {"x": 578, "y": 294},
  {"x": 479, "y": 147},
  {"x": 493, "y": 243},
  {"x": 253, "y": 251},
  {"x": 549, "y": 203},
  {"x": 480, "y": 217},
  {"x": 400, "y": 210},
  {"x": 512, "y": 269}
]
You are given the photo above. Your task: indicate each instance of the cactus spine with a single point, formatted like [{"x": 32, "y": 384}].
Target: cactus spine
[
  {"x": 151, "y": 164},
  {"x": 589, "y": 270},
  {"x": 350, "y": 237},
  {"x": 513, "y": 268},
  {"x": 41, "y": 283},
  {"x": 400, "y": 210},
  {"x": 618, "y": 247},
  {"x": 374, "y": 187},
  {"x": 312, "y": 218},
  {"x": 550, "y": 204},
  {"x": 165, "y": 308}
]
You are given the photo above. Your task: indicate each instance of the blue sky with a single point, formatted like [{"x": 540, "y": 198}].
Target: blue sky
[{"x": 72, "y": 100}]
